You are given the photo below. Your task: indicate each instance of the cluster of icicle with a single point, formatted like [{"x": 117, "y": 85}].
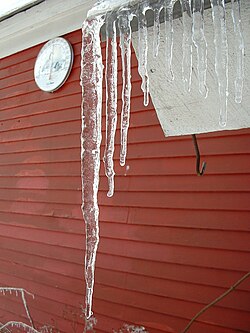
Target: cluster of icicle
[{"x": 120, "y": 13}]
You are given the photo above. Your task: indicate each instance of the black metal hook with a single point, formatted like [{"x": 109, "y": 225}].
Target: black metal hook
[{"x": 197, "y": 152}]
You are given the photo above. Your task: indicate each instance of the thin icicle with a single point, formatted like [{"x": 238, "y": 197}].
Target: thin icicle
[
  {"x": 143, "y": 49},
  {"x": 124, "y": 19},
  {"x": 111, "y": 101},
  {"x": 221, "y": 55},
  {"x": 239, "y": 43},
  {"x": 157, "y": 31},
  {"x": 91, "y": 80},
  {"x": 187, "y": 44},
  {"x": 200, "y": 44},
  {"x": 169, "y": 37},
  {"x": 26, "y": 307},
  {"x": 22, "y": 293}
]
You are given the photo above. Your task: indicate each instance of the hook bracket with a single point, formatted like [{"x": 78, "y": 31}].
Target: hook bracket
[{"x": 199, "y": 171}]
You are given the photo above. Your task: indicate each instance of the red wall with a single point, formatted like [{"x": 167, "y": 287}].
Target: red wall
[{"x": 170, "y": 241}]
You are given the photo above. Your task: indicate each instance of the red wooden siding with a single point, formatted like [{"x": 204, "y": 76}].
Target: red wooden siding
[{"x": 171, "y": 242}]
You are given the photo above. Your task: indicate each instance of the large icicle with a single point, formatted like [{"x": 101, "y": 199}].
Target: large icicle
[
  {"x": 239, "y": 42},
  {"x": 169, "y": 36},
  {"x": 91, "y": 80},
  {"x": 124, "y": 19},
  {"x": 111, "y": 100},
  {"x": 143, "y": 49},
  {"x": 221, "y": 55},
  {"x": 200, "y": 44},
  {"x": 187, "y": 43}
]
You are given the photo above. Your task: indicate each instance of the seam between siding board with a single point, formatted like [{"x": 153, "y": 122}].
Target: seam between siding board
[
  {"x": 122, "y": 272},
  {"x": 133, "y": 306},
  {"x": 13, "y": 189},
  {"x": 116, "y": 158},
  {"x": 138, "y": 206},
  {"x": 118, "y": 256},
  {"x": 135, "y": 241},
  {"x": 167, "y": 314},
  {"x": 129, "y": 206},
  {"x": 117, "y": 222}
]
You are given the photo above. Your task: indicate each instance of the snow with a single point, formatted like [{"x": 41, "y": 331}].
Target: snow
[
  {"x": 122, "y": 13},
  {"x": 127, "y": 328}
]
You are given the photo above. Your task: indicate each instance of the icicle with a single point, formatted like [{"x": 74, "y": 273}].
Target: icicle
[
  {"x": 91, "y": 80},
  {"x": 156, "y": 29},
  {"x": 111, "y": 101},
  {"x": 221, "y": 55},
  {"x": 26, "y": 308},
  {"x": 22, "y": 292},
  {"x": 239, "y": 41},
  {"x": 200, "y": 44},
  {"x": 124, "y": 19},
  {"x": 18, "y": 324},
  {"x": 143, "y": 49},
  {"x": 187, "y": 43},
  {"x": 169, "y": 32}
]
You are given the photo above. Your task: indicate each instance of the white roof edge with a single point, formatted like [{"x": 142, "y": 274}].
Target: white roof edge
[{"x": 40, "y": 23}]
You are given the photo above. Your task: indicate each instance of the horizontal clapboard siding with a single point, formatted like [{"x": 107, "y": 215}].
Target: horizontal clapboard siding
[{"x": 171, "y": 242}]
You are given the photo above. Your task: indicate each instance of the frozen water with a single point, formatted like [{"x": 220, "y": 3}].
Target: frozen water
[
  {"x": 143, "y": 49},
  {"x": 120, "y": 13},
  {"x": 91, "y": 80},
  {"x": 111, "y": 102},
  {"x": 156, "y": 43},
  {"x": 221, "y": 55},
  {"x": 22, "y": 293},
  {"x": 187, "y": 43},
  {"x": 200, "y": 44},
  {"x": 169, "y": 36},
  {"x": 18, "y": 324},
  {"x": 239, "y": 49},
  {"x": 90, "y": 324},
  {"x": 124, "y": 19}
]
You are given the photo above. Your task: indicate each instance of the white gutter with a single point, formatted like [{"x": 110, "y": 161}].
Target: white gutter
[{"x": 40, "y": 23}]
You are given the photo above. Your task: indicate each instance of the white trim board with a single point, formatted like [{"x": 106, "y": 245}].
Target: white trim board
[{"x": 40, "y": 23}]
